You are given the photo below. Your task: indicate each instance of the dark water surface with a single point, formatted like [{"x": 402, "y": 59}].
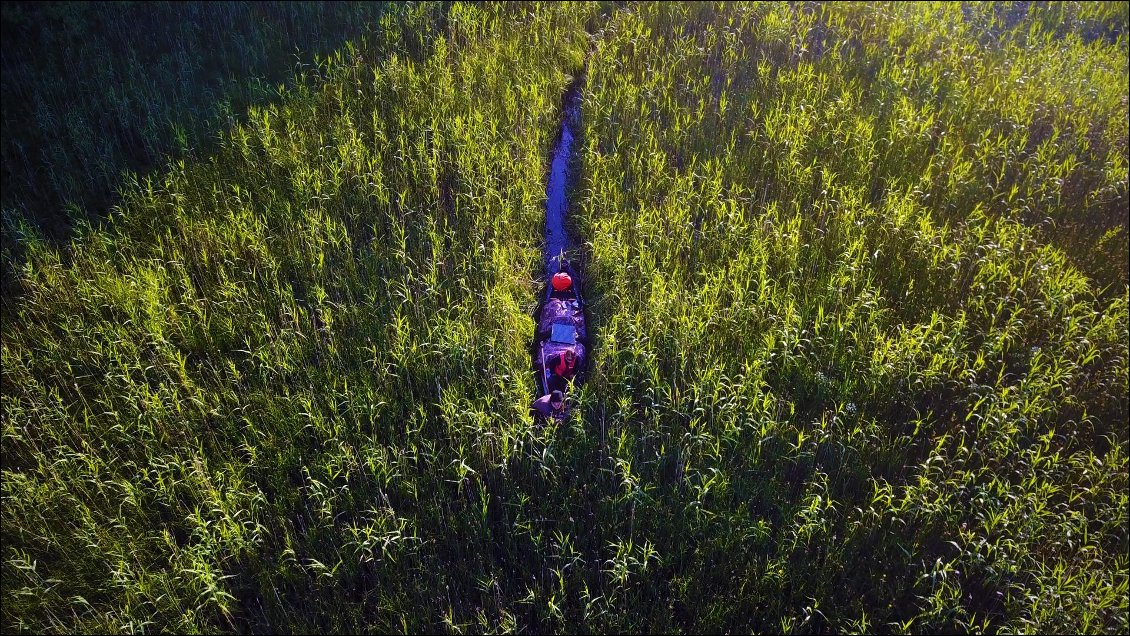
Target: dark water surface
[{"x": 556, "y": 205}]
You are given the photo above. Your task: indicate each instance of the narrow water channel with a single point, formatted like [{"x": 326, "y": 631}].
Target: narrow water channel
[
  {"x": 556, "y": 204},
  {"x": 560, "y": 344}
]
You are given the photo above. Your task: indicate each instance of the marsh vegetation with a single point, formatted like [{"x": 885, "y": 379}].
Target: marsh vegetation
[{"x": 857, "y": 288}]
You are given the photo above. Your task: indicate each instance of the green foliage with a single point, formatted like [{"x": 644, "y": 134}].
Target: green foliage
[
  {"x": 271, "y": 392},
  {"x": 859, "y": 305},
  {"x": 92, "y": 90},
  {"x": 853, "y": 378}
]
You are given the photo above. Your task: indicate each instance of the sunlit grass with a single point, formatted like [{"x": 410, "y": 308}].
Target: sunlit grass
[
  {"x": 858, "y": 307},
  {"x": 856, "y": 370},
  {"x": 256, "y": 399}
]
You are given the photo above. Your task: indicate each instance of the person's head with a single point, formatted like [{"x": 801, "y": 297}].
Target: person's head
[
  {"x": 570, "y": 356},
  {"x": 561, "y": 281},
  {"x": 557, "y": 400}
]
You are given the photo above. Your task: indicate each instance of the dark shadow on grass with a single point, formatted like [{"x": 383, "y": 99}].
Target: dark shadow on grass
[{"x": 93, "y": 91}]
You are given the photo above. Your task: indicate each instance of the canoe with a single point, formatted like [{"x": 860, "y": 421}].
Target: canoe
[{"x": 561, "y": 327}]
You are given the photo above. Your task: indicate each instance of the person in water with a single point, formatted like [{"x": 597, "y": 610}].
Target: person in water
[{"x": 549, "y": 405}]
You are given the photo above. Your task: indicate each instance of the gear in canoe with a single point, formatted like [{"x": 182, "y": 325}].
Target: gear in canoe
[{"x": 561, "y": 335}]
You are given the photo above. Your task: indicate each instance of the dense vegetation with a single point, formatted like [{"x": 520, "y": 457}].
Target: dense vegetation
[
  {"x": 249, "y": 403},
  {"x": 91, "y": 90},
  {"x": 858, "y": 282},
  {"x": 846, "y": 387}
]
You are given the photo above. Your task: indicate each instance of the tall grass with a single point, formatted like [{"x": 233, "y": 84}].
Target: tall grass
[
  {"x": 860, "y": 338},
  {"x": 93, "y": 90},
  {"x": 860, "y": 304},
  {"x": 272, "y": 394}
]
